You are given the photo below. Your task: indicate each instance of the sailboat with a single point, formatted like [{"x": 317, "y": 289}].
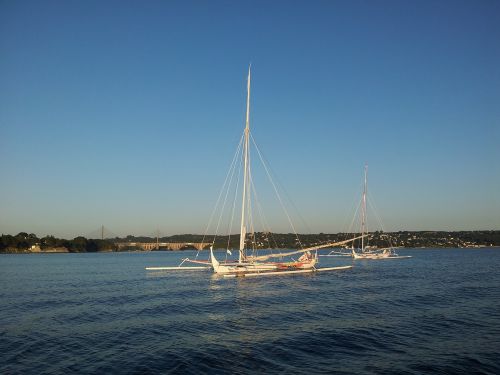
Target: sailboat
[
  {"x": 252, "y": 264},
  {"x": 366, "y": 252}
]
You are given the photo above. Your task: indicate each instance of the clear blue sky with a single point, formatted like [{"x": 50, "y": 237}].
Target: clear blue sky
[{"x": 127, "y": 113}]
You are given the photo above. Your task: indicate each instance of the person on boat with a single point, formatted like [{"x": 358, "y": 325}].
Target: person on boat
[{"x": 306, "y": 257}]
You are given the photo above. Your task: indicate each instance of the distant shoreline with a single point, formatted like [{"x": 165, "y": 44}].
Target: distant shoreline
[
  {"x": 30, "y": 243},
  {"x": 66, "y": 251}
]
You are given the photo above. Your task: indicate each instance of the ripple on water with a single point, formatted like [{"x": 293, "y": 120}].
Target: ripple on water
[{"x": 438, "y": 312}]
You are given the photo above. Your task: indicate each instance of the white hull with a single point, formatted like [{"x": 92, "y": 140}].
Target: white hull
[
  {"x": 382, "y": 255},
  {"x": 255, "y": 267}
]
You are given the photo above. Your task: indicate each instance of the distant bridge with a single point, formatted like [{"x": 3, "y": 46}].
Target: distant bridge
[{"x": 148, "y": 246}]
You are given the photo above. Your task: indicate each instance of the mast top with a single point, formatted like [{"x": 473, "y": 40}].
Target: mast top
[{"x": 247, "y": 123}]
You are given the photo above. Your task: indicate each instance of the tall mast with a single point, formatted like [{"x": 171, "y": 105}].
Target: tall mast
[
  {"x": 363, "y": 212},
  {"x": 242, "y": 256}
]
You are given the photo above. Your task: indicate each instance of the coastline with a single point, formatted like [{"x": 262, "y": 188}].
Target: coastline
[{"x": 66, "y": 251}]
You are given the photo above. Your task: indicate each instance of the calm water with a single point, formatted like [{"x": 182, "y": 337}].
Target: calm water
[{"x": 438, "y": 312}]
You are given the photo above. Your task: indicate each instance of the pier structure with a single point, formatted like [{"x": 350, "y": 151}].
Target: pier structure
[{"x": 148, "y": 246}]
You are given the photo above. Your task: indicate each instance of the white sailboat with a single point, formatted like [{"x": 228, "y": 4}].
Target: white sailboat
[
  {"x": 262, "y": 265},
  {"x": 252, "y": 264},
  {"x": 365, "y": 252}
]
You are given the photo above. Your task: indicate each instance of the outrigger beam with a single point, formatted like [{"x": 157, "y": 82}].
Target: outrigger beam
[
  {"x": 178, "y": 268},
  {"x": 276, "y": 273},
  {"x": 265, "y": 257}
]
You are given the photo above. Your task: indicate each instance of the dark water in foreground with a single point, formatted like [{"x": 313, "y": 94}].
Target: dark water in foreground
[{"x": 438, "y": 312}]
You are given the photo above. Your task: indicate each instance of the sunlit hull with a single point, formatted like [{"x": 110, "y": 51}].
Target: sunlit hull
[
  {"x": 242, "y": 268},
  {"x": 378, "y": 255}
]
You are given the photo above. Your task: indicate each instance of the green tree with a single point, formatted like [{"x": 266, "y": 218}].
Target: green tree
[
  {"x": 22, "y": 239},
  {"x": 79, "y": 244},
  {"x": 33, "y": 239},
  {"x": 48, "y": 242},
  {"x": 7, "y": 241}
]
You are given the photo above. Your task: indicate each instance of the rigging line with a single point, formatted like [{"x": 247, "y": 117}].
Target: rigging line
[
  {"x": 283, "y": 189},
  {"x": 351, "y": 229},
  {"x": 276, "y": 191},
  {"x": 225, "y": 201},
  {"x": 356, "y": 205},
  {"x": 371, "y": 202},
  {"x": 251, "y": 190},
  {"x": 260, "y": 211},
  {"x": 220, "y": 193},
  {"x": 262, "y": 216},
  {"x": 233, "y": 210},
  {"x": 263, "y": 219},
  {"x": 271, "y": 238},
  {"x": 249, "y": 212},
  {"x": 354, "y": 209}
]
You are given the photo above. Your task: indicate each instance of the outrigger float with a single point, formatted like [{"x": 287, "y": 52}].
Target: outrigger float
[{"x": 178, "y": 268}]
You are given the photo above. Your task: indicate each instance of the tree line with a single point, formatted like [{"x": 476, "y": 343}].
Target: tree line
[
  {"x": 380, "y": 239},
  {"x": 24, "y": 242}
]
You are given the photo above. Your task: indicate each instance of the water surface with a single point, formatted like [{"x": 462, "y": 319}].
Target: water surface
[{"x": 438, "y": 312}]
